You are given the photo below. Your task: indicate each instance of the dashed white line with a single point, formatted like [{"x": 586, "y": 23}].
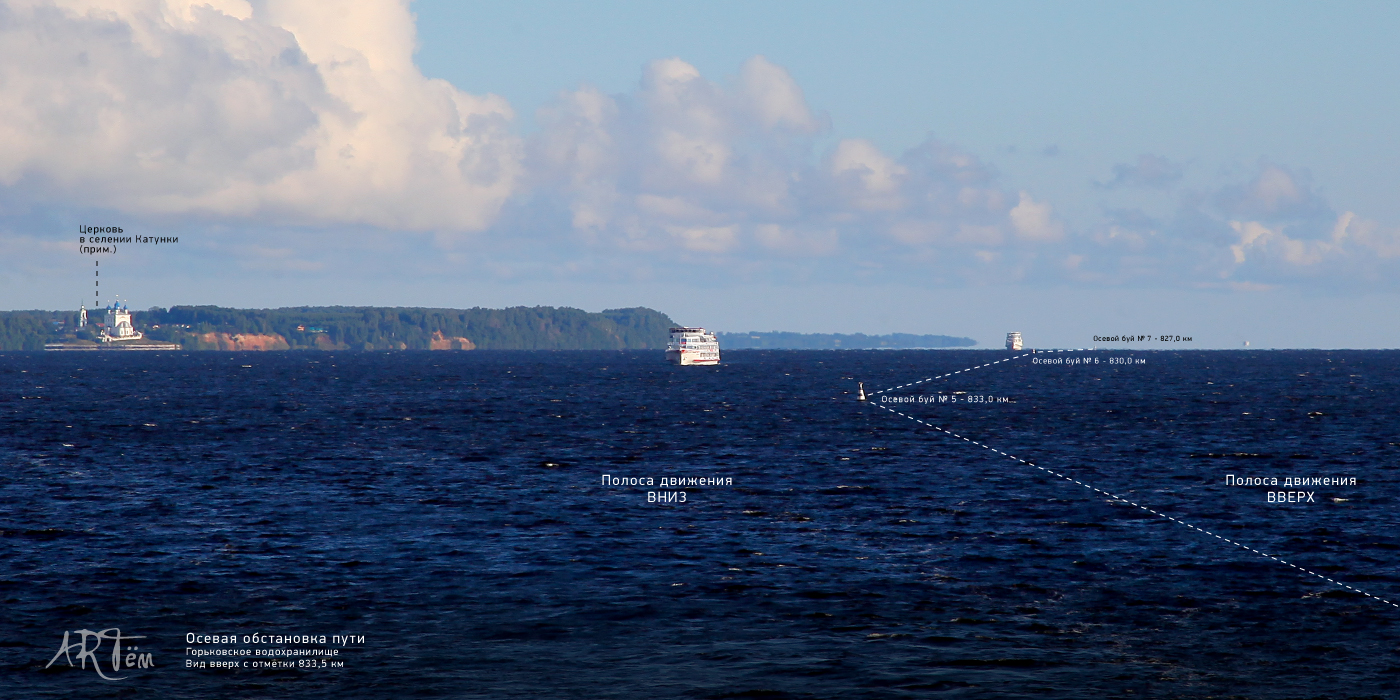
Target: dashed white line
[
  {"x": 1124, "y": 500},
  {"x": 969, "y": 369}
]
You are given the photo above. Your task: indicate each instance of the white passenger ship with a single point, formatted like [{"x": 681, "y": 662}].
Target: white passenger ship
[{"x": 692, "y": 346}]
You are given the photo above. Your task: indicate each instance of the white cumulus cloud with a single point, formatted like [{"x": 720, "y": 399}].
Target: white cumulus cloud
[
  {"x": 1273, "y": 228},
  {"x": 292, "y": 110},
  {"x": 297, "y": 113},
  {"x": 1256, "y": 237},
  {"x": 691, "y": 165},
  {"x": 1033, "y": 220},
  {"x": 868, "y": 178}
]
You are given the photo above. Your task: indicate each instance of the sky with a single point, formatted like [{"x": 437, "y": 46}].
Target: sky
[{"x": 1219, "y": 171}]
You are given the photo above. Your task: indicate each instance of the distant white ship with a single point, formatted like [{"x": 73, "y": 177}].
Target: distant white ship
[
  {"x": 1013, "y": 341},
  {"x": 692, "y": 346}
]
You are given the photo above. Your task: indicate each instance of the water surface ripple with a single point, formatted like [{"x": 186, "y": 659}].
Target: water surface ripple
[{"x": 450, "y": 508}]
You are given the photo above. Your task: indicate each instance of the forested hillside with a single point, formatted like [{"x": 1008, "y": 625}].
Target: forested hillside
[
  {"x": 29, "y": 330},
  {"x": 365, "y": 328}
]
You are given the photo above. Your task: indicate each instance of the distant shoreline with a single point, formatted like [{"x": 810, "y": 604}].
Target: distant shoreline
[
  {"x": 783, "y": 340},
  {"x": 377, "y": 328}
]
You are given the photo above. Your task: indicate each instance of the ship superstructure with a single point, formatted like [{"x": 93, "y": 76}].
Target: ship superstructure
[
  {"x": 1013, "y": 341},
  {"x": 692, "y": 346}
]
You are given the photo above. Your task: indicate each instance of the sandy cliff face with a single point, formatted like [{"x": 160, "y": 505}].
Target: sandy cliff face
[
  {"x": 273, "y": 341},
  {"x": 441, "y": 342},
  {"x": 244, "y": 341}
]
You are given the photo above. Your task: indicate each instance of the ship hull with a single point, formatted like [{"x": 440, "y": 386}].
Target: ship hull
[{"x": 678, "y": 357}]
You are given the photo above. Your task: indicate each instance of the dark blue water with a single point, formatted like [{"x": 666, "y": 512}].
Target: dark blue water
[{"x": 449, "y": 507}]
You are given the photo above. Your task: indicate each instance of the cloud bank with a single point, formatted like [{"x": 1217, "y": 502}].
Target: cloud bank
[
  {"x": 293, "y": 113},
  {"x": 689, "y": 168},
  {"x": 302, "y": 111},
  {"x": 1273, "y": 229}
]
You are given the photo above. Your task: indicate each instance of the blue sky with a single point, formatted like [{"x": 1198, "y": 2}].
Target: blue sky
[
  {"x": 1225, "y": 171},
  {"x": 1215, "y": 85}
]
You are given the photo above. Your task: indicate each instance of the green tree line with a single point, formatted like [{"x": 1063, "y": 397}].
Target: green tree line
[
  {"x": 29, "y": 330},
  {"x": 381, "y": 328},
  {"x": 363, "y": 328}
]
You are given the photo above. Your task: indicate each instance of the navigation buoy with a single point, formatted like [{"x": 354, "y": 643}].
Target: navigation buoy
[{"x": 862, "y": 392}]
